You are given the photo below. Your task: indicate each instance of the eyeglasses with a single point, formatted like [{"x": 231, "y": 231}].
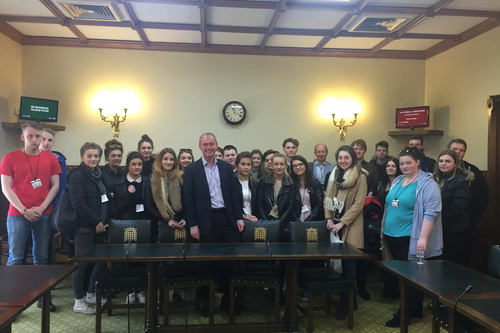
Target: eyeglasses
[
  {"x": 185, "y": 150},
  {"x": 115, "y": 145},
  {"x": 298, "y": 165}
]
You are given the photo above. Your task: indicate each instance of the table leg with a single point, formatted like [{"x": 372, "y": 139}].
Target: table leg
[
  {"x": 292, "y": 286},
  {"x": 404, "y": 313},
  {"x": 7, "y": 329},
  {"x": 151, "y": 298},
  {"x": 451, "y": 320},
  {"x": 435, "y": 323},
  {"x": 46, "y": 314}
]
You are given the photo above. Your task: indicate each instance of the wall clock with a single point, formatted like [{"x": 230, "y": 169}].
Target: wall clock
[{"x": 234, "y": 113}]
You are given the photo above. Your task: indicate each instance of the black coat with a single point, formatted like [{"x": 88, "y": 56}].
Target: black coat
[
  {"x": 316, "y": 196},
  {"x": 285, "y": 202},
  {"x": 125, "y": 202},
  {"x": 479, "y": 192},
  {"x": 252, "y": 185},
  {"x": 455, "y": 196},
  {"x": 85, "y": 197}
]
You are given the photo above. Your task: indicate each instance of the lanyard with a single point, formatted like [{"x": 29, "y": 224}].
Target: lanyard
[
  {"x": 397, "y": 192},
  {"x": 37, "y": 163}
]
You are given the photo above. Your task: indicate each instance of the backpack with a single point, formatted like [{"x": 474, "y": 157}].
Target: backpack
[{"x": 63, "y": 218}]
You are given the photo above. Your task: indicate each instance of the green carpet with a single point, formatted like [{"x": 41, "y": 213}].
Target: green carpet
[{"x": 369, "y": 318}]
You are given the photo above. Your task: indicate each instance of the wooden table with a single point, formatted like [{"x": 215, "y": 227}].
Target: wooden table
[
  {"x": 483, "y": 309},
  {"x": 437, "y": 278},
  {"x": 155, "y": 253},
  {"x": 22, "y": 286},
  {"x": 7, "y": 316}
]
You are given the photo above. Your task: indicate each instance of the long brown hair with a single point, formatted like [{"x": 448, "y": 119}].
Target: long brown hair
[
  {"x": 438, "y": 174},
  {"x": 170, "y": 174}
]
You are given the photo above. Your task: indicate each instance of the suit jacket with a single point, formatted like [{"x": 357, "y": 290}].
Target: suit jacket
[
  {"x": 328, "y": 169},
  {"x": 196, "y": 196},
  {"x": 252, "y": 185}
]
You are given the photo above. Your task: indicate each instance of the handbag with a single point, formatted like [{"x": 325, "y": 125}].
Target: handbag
[
  {"x": 335, "y": 264},
  {"x": 63, "y": 218},
  {"x": 386, "y": 254}
]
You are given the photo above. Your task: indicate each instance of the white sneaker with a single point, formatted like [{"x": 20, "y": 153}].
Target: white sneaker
[
  {"x": 82, "y": 307},
  {"x": 130, "y": 299},
  {"x": 141, "y": 297},
  {"x": 304, "y": 296},
  {"x": 90, "y": 299}
]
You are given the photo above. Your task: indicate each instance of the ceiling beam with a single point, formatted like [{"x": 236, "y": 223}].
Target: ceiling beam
[
  {"x": 78, "y": 33},
  {"x": 297, "y": 5},
  {"x": 432, "y": 11},
  {"x": 222, "y": 49},
  {"x": 280, "y": 9},
  {"x": 381, "y": 45},
  {"x": 203, "y": 4},
  {"x": 12, "y": 33},
  {"x": 465, "y": 36},
  {"x": 136, "y": 25},
  {"x": 335, "y": 31},
  {"x": 63, "y": 20},
  {"x": 221, "y": 28}
]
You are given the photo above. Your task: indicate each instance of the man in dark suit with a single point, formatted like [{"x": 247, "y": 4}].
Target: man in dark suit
[{"x": 213, "y": 207}]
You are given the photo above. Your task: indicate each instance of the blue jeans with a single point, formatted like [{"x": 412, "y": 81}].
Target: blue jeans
[{"x": 18, "y": 229}]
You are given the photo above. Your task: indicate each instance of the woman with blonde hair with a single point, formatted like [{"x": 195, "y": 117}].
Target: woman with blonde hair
[{"x": 163, "y": 197}]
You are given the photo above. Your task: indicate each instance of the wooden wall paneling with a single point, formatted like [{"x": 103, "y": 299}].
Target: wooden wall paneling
[{"x": 493, "y": 224}]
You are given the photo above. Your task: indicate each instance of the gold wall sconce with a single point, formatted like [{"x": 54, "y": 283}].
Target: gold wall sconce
[
  {"x": 115, "y": 123},
  {"x": 342, "y": 126}
]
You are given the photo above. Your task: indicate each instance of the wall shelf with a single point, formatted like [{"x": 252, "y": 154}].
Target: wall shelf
[
  {"x": 426, "y": 132},
  {"x": 58, "y": 128}
]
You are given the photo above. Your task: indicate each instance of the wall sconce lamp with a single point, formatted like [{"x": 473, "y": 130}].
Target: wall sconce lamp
[
  {"x": 342, "y": 125},
  {"x": 115, "y": 123}
]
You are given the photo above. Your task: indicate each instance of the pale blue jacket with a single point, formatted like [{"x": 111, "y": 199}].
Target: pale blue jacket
[{"x": 427, "y": 205}]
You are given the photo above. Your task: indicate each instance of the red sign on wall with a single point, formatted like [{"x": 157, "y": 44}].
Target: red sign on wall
[{"x": 412, "y": 117}]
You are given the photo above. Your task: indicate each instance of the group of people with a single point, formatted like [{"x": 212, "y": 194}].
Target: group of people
[{"x": 427, "y": 205}]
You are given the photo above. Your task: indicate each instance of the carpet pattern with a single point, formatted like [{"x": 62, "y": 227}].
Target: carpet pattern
[{"x": 369, "y": 318}]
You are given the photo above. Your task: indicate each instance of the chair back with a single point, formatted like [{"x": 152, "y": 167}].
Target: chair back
[
  {"x": 494, "y": 262},
  {"x": 310, "y": 232},
  {"x": 261, "y": 231},
  {"x": 171, "y": 235},
  {"x": 123, "y": 231}
]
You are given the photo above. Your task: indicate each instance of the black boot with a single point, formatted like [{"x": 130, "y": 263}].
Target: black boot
[{"x": 40, "y": 303}]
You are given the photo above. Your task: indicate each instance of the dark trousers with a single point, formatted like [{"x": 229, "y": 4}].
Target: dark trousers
[
  {"x": 399, "y": 247},
  {"x": 83, "y": 240},
  {"x": 456, "y": 247},
  {"x": 221, "y": 231}
]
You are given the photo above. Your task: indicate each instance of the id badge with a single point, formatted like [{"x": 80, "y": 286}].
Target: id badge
[
  {"x": 36, "y": 183},
  {"x": 305, "y": 209},
  {"x": 395, "y": 203},
  {"x": 104, "y": 198},
  {"x": 139, "y": 208}
]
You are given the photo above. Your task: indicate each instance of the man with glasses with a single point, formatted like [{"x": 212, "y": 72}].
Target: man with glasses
[{"x": 214, "y": 215}]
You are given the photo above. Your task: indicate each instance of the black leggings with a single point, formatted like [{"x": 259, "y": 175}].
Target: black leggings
[{"x": 399, "y": 247}]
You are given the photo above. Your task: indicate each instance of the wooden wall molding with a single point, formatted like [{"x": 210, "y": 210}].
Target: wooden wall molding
[
  {"x": 12, "y": 33},
  {"x": 224, "y": 49}
]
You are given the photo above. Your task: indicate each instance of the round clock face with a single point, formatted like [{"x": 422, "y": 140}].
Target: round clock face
[{"x": 234, "y": 113}]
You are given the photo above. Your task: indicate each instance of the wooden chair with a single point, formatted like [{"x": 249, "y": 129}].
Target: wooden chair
[
  {"x": 257, "y": 273},
  {"x": 324, "y": 280},
  {"x": 177, "y": 275},
  {"x": 118, "y": 279}
]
